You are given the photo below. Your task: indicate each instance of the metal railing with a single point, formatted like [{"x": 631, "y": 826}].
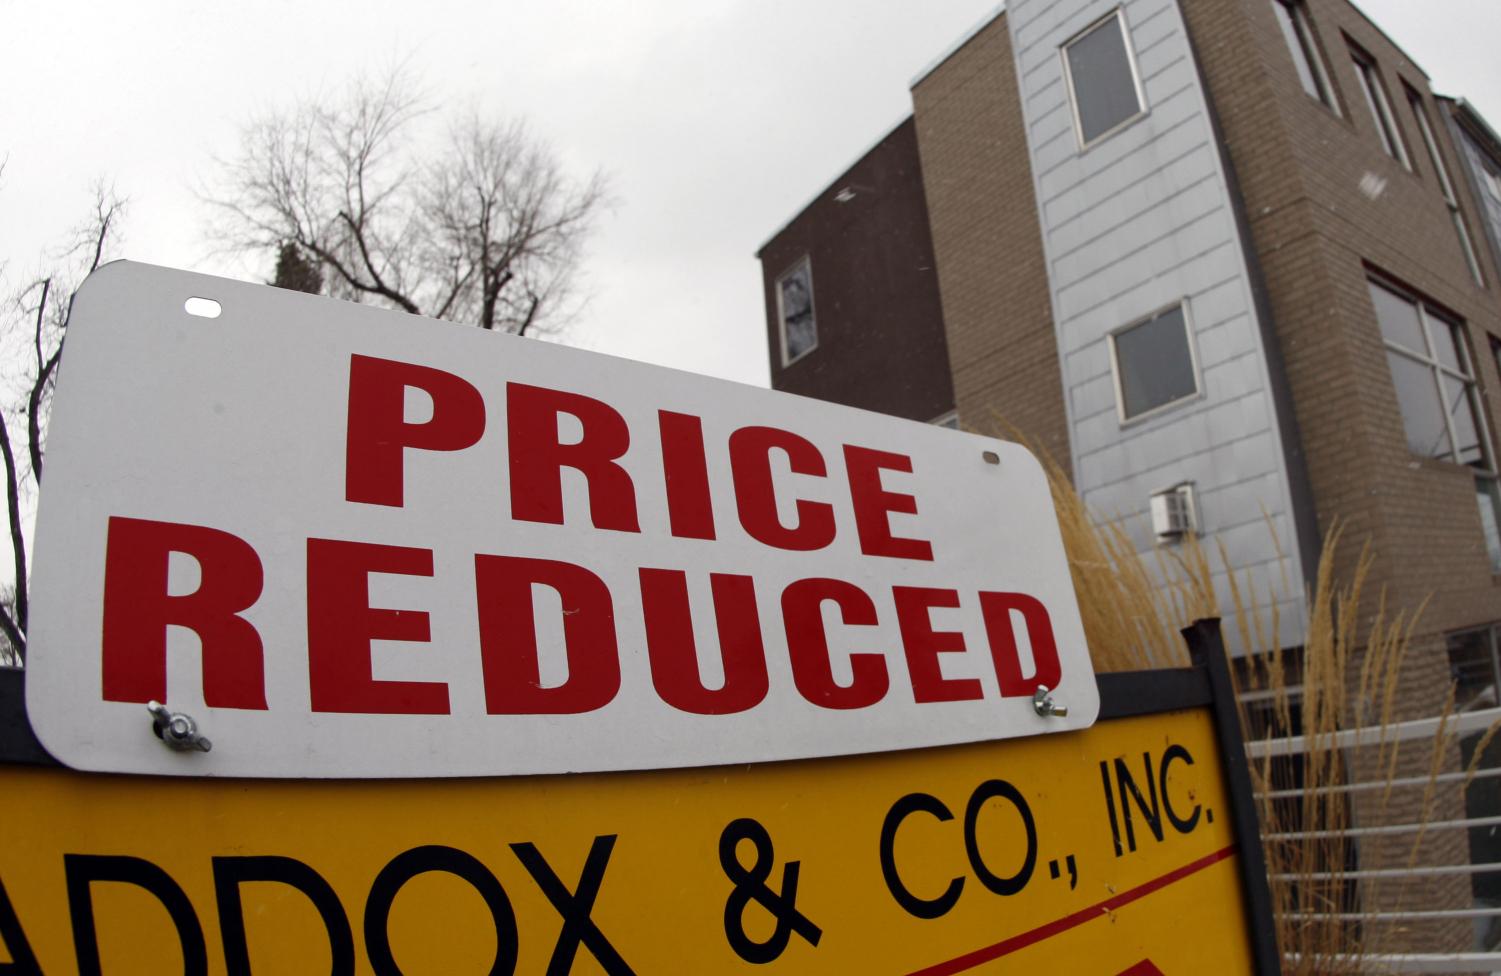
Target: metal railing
[
  {"x": 1375, "y": 735},
  {"x": 1429, "y": 962},
  {"x": 1370, "y": 737}
]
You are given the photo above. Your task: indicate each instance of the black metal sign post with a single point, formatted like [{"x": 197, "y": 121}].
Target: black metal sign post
[
  {"x": 1206, "y": 646},
  {"x": 1208, "y": 684},
  {"x": 18, "y": 744}
]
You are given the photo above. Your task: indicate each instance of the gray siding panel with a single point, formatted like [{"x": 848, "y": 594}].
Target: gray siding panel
[
  {"x": 1189, "y": 172},
  {"x": 1184, "y": 206},
  {"x": 1134, "y": 224},
  {"x": 1097, "y": 175}
]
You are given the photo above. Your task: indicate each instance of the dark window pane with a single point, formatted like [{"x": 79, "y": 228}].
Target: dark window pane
[
  {"x": 1422, "y": 413},
  {"x": 1472, "y": 660},
  {"x": 1425, "y": 128},
  {"x": 1398, "y": 319},
  {"x": 1459, "y": 400},
  {"x": 1155, "y": 365},
  {"x": 1104, "y": 85},
  {"x": 1488, "y": 494},
  {"x": 1297, "y": 44},
  {"x": 1446, "y": 344},
  {"x": 1381, "y": 113},
  {"x": 1367, "y": 86},
  {"x": 797, "y": 311},
  {"x": 1472, "y": 669}
]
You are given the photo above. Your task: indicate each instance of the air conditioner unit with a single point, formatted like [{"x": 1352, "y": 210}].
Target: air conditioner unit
[{"x": 1175, "y": 514}]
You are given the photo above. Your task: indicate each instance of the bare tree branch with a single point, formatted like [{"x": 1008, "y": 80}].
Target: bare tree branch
[
  {"x": 17, "y": 537},
  {"x": 41, "y": 319},
  {"x": 13, "y": 634},
  {"x": 531, "y": 314},
  {"x": 487, "y": 230},
  {"x": 376, "y": 286},
  {"x": 34, "y": 318},
  {"x": 34, "y": 399},
  {"x": 106, "y": 215}
]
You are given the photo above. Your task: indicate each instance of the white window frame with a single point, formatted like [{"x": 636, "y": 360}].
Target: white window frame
[
  {"x": 1446, "y": 185},
  {"x": 1308, "y": 50},
  {"x": 1427, "y": 316},
  {"x": 1369, "y": 77},
  {"x": 1193, "y": 358},
  {"x": 1118, "y": 14},
  {"x": 804, "y": 261}
]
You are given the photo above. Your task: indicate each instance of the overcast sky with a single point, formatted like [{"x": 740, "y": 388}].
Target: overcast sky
[{"x": 716, "y": 120}]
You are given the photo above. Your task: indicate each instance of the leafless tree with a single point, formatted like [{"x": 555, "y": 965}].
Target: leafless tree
[
  {"x": 481, "y": 227},
  {"x": 33, "y": 327},
  {"x": 10, "y": 655}
]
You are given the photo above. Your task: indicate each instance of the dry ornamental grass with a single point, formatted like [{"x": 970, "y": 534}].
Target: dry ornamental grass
[{"x": 1347, "y": 676}]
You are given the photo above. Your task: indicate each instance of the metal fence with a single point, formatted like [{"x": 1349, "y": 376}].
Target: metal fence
[{"x": 1453, "y": 728}]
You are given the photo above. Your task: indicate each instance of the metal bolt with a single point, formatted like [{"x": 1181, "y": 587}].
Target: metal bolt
[
  {"x": 177, "y": 730},
  {"x": 1042, "y": 701}
]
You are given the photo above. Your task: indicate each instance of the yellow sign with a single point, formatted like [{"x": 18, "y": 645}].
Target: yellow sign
[{"x": 1107, "y": 852}]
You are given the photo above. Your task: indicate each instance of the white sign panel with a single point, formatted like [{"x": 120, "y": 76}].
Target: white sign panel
[{"x": 352, "y": 542}]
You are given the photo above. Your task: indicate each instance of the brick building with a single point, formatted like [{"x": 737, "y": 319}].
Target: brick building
[
  {"x": 1232, "y": 254},
  {"x": 868, "y": 238}
]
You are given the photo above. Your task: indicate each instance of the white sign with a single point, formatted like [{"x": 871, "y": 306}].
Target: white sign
[{"x": 352, "y": 542}]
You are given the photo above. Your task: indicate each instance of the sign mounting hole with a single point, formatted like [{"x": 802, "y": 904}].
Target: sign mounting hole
[{"x": 204, "y": 308}]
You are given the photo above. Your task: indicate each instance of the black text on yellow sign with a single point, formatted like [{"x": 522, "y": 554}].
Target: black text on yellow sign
[{"x": 1108, "y": 851}]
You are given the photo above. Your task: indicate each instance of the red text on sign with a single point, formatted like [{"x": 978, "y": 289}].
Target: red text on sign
[{"x": 341, "y": 625}]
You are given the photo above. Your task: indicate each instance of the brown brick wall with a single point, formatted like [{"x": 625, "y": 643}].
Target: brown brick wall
[
  {"x": 991, "y": 270},
  {"x": 875, "y": 291},
  {"x": 1316, "y": 233}
]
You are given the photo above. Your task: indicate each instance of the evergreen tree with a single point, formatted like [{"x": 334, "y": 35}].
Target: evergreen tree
[{"x": 296, "y": 272}]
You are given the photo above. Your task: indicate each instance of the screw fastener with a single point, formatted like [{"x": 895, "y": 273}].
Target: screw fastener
[
  {"x": 1042, "y": 701},
  {"x": 176, "y": 730}
]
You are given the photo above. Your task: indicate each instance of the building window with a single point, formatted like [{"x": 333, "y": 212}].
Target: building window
[
  {"x": 1298, "y": 32},
  {"x": 1435, "y": 385},
  {"x": 1103, "y": 82},
  {"x": 1380, "y": 106},
  {"x": 1154, "y": 364},
  {"x": 795, "y": 312},
  {"x": 1436, "y": 392},
  {"x": 1475, "y": 668},
  {"x": 1493, "y": 181},
  {"x": 1446, "y": 185},
  {"x": 1488, "y": 495}
]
